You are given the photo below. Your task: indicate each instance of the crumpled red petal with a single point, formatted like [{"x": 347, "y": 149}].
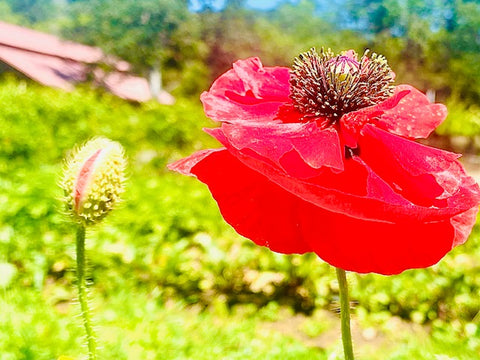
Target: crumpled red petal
[
  {"x": 353, "y": 122},
  {"x": 248, "y": 92},
  {"x": 299, "y": 148},
  {"x": 463, "y": 224},
  {"x": 424, "y": 175},
  {"x": 245, "y": 203},
  {"x": 357, "y": 191},
  {"x": 271, "y": 216},
  {"x": 414, "y": 117}
]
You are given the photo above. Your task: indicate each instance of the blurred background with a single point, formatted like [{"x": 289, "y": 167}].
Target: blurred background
[{"x": 169, "y": 279}]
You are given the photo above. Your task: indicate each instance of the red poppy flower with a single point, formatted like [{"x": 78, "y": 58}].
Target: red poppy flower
[{"x": 320, "y": 158}]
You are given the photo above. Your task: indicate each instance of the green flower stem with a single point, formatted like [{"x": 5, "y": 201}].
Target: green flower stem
[
  {"x": 82, "y": 294},
  {"x": 345, "y": 314}
]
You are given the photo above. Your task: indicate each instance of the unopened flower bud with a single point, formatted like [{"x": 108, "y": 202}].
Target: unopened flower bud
[{"x": 93, "y": 179}]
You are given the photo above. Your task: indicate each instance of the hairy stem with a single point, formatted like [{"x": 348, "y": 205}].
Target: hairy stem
[
  {"x": 345, "y": 314},
  {"x": 82, "y": 294}
]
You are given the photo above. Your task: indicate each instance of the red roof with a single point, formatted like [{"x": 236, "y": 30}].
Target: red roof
[{"x": 57, "y": 63}]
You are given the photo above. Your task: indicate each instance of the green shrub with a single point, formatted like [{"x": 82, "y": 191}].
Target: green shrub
[
  {"x": 461, "y": 120},
  {"x": 168, "y": 236}
]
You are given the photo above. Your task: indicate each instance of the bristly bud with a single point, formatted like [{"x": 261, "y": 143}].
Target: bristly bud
[
  {"x": 94, "y": 179},
  {"x": 328, "y": 85}
]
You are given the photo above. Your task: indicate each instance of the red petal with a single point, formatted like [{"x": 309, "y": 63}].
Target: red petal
[
  {"x": 357, "y": 191},
  {"x": 424, "y": 175},
  {"x": 353, "y": 122},
  {"x": 248, "y": 92},
  {"x": 463, "y": 224},
  {"x": 350, "y": 126},
  {"x": 298, "y": 148},
  {"x": 83, "y": 178},
  {"x": 273, "y": 217},
  {"x": 414, "y": 116},
  {"x": 249, "y": 203},
  {"x": 184, "y": 166}
]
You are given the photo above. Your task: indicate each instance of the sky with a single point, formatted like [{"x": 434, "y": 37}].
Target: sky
[
  {"x": 262, "y": 4},
  {"x": 254, "y": 4}
]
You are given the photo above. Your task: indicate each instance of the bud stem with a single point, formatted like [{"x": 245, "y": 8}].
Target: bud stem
[
  {"x": 82, "y": 294},
  {"x": 345, "y": 314}
]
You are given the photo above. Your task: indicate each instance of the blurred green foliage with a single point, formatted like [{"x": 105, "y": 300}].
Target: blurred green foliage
[
  {"x": 168, "y": 234},
  {"x": 462, "y": 120},
  {"x": 141, "y": 32},
  {"x": 430, "y": 44},
  {"x": 33, "y": 327}
]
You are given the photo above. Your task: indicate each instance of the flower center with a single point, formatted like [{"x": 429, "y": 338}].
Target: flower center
[{"x": 328, "y": 85}]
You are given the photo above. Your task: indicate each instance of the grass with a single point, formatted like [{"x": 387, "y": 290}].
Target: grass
[
  {"x": 137, "y": 325},
  {"x": 134, "y": 325}
]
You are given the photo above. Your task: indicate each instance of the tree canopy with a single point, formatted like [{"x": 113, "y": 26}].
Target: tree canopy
[{"x": 433, "y": 44}]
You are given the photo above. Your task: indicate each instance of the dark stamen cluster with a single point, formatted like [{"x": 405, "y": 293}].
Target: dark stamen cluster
[{"x": 325, "y": 85}]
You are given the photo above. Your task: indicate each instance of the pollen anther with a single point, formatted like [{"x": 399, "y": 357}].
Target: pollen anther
[{"x": 328, "y": 85}]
